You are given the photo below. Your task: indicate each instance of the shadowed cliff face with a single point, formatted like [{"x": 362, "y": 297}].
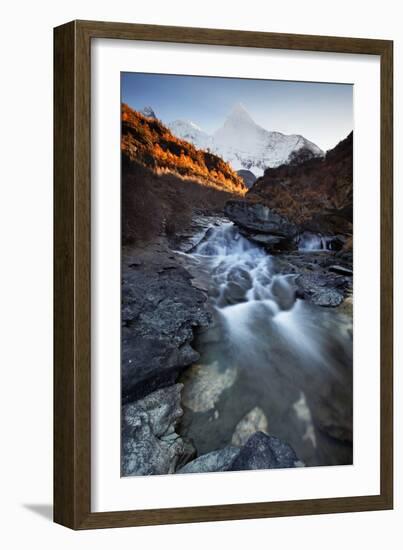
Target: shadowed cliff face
[{"x": 316, "y": 193}]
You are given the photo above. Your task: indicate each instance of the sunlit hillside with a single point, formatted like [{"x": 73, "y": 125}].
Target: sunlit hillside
[
  {"x": 166, "y": 179},
  {"x": 147, "y": 141}
]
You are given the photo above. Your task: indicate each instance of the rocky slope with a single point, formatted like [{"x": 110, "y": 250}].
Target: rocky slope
[{"x": 315, "y": 193}]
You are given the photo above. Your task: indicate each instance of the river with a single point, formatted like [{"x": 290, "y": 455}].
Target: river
[{"x": 269, "y": 350}]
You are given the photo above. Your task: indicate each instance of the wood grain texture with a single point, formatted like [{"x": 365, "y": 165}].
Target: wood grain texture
[
  {"x": 386, "y": 282},
  {"x": 64, "y": 375},
  {"x": 72, "y": 268},
  {"x": 72, "y": 217}
]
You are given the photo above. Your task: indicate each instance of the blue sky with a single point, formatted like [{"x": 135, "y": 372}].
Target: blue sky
[{"x": 320, "y": 112}]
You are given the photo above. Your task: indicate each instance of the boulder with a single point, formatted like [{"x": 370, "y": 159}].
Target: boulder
[
  {"x": 284, "y": 291},
  {"x": 238, "y": 282},
  {"x": 150, "y": 444},
  {"x": 233, "y": 293},
  {"x": 216, "y": 461},
  {"x": 255, "y": 219},
  {"x": 262, "y": 451}
]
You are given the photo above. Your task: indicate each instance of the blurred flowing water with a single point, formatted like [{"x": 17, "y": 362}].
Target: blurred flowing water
[
  {"x": 288, "y": 357},
  {"x": 313, "y": 241}
]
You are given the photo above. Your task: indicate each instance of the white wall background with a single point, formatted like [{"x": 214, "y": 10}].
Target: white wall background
[{"x": 26, "y": 271}]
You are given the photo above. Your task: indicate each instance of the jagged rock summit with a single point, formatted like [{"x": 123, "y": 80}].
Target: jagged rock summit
[{"x": 148, "y": 112}]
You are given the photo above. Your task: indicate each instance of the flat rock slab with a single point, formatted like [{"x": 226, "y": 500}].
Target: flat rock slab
[
  {"x": 186, "y": 241},
  {"x": 160, "y": 310}
]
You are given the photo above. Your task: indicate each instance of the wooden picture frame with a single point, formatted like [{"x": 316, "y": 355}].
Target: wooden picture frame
[{"x": 72, "y": 269}]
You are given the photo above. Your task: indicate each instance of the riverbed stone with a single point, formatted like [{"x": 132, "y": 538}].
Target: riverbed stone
[
  {"x": 317, "y": 284},
  {"x": 204, "y": 384},
  {"x": 284, "y": 290},
  {"x": 150, "y": 444},
  {"x": 262, "y": 452},
  {"x": 252, "y": 422},
  {"x": 327, "y": 297},
  {"x": 341, "y": 269},
  {"x": 233, "y": 293},
  {"x": 216, "y": 461},
  {"x": 269, "y": 241}
]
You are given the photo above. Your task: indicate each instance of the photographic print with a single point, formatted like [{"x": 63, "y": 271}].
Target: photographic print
[{"x": 237, "y": 274}]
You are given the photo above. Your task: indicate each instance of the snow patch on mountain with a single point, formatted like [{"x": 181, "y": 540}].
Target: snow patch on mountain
[
  {"x": 243, "y": 143},
  {"x": 185, "y": 129}
]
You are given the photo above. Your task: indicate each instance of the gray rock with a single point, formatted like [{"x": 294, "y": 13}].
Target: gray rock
[
  {"x": 254, "y": 421},
  {"x": 187, "y": 241},
  {"x": 234, "y": 293},
  {"x": 216, "y": 461},
  {"x": 248, "y": 177},
  {"x": 240, "y": 276},
  {"x": 327, "y": 297},
  {"x": 341, "y": 269},
  {"x": 284, "y": 291},
  {"x": 160, "y": 309},
  {"x": 148, "y": 112},
  {"x": 150, "y": 444},
  {"x": 323, "y": 288},
  {"x": 263, "y": 452},
  {"x": 238, "y": 282},
  {"x": 266, "y": 240}
]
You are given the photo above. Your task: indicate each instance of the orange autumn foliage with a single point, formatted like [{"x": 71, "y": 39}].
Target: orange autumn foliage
[{"x": 147, "y": 141}]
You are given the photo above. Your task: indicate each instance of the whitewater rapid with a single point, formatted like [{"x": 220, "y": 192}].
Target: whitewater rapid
[{"x": 288, "y": 357}]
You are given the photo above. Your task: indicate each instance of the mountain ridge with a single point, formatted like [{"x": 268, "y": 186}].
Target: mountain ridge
[{"x": 244, "y": 143}]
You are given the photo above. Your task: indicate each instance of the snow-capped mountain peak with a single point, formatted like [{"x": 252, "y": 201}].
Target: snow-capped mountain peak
[
  {"x": 243, "y": 143},
  {"x": 148, "y": 112},
  {"x": 239, "y": 115},
  {"x": 188, "y": 130},
  {"x": 239, "y": 134}
]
